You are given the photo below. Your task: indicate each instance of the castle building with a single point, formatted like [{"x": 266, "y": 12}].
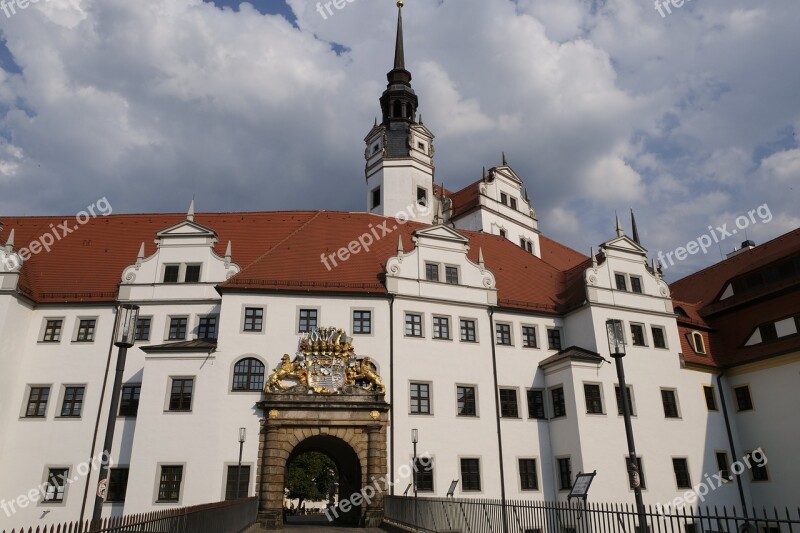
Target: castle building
[{"x": 489, "y": 339}]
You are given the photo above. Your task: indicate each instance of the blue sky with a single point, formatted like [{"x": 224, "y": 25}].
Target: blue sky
[{"x": 690, "y": 118}]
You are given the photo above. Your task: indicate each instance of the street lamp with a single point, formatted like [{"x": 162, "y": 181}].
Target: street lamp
[
  {"x": 616, "y": 347},
  {"x": 124, "y": 337},
  {"x": 414, "y": 441},
  {"x": 242, "y": 438}
]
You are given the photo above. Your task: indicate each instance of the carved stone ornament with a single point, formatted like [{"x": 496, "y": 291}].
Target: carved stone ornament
[{"x": 325, "y": 363}]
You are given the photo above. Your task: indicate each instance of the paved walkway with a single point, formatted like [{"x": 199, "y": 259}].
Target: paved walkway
[{"x": 308, "y": 525}]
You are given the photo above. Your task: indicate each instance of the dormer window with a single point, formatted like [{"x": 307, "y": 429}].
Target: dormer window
[
  {"x": 421, "y": 147},
  {"x": 621, "y": 282},
  {"x": 432, "y": 271},
  {"x": 503, "y": 198},
  {"x": 188, "y": 273},
  {"x": 376, "y": 148},
  {"x": 422, "y": 196},
  {"x": 192, "y": 274},
  {"x": 514, "y": 204},
  {"x": 698, "y": 344},
  {"x": 636, "y": 284},
  {"x": 171, "y": 273}
]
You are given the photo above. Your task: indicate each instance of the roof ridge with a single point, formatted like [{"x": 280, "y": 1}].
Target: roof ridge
[{"x": 734, "y": 258}]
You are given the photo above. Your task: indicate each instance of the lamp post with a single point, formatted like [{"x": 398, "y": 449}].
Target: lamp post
[
  {"x": 414, "y": 440},
  {"x": 616, "y": 347},
  {"x": 242, "y": 438},
  {"x": 123, "y": 339}
]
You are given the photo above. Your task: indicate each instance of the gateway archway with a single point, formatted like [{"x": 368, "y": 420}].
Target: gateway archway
[{"x": 330, "y": 401}]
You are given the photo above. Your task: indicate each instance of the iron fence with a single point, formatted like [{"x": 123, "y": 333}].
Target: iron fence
[
  {"x": 224, "y": 517},
  {"x": 491, "y": 516}
]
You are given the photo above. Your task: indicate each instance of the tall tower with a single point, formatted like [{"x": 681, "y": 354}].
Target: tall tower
[{"x": 399, "y": 151}]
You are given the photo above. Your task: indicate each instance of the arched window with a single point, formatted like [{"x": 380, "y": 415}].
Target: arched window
[
  {"x": 248, "y": 375},
  {"x": 398, "y": 109}
]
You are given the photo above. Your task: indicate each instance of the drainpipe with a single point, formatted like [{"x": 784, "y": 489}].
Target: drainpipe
[
  {"x": 497, "y": 417},
  {"x": 730, "y": 439},
  {"x": 391, "y": 390}
]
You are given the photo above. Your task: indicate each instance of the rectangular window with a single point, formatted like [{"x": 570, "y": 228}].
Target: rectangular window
[
  {"x": 466, "y": 401},
  {"x": 743, "y": 400},
  {"x": 413, "y": 325},
  {"x": 376, "y": 197},
  {"x": 129, "y": 400},
  {"x": 177, "y": 328},
  {"x": 468, "y": 331},
  {"x": 171, "y": 273},
  {"x": 636, "y": 284},
  {"x": 559, "y": 402},
  {"x": 207, "y": 328},
  {"x": 143, "y": 329},
  {"x": 56, "y": 485},
  {"x": 594, "y": 399},
  {"x": 420, "y": 399},
  {"x": 620, "y": 281},
  {"x": 503, "y": 233},
  {"x": 441, "y": 327},
  {"x": 529, "y": 336},
  {"x": 723, "y": 466},
  {"x": 308, "y": 320},
  {"x": 527, "y": 474},
  {"x": 192, "y": 274},
  {"x": 362, "y": 322},
  {"x": 618, "y": 394},
  {"x": 471, "y": 475},
  {"x": 117, "y": 484},
  {"x": 758, "y": 469},
  {"x": 73, "y": 402},
  {"x": 432, "y": 271},
  {"x": 37, "y": 402},
  {"x": 243, "y": 478},
  {"x": 670, "y": 402},
  {"x": 640, "y": 467},
  {"x": 503, "y": 334},
  {"x": 86, "y": 330},
  {"x": 503, "y": 198},
  {"x": 637, "y": 333},
  {"x": 253, "y": 318},
  {"x": 681, "y": 467},
  {"x": 536, "y": 404},
  {"x": 711, "y": 399},
  {"x": 52, "y": 331},
  {"x": 513, "y": 203},
  {"x": 508, "y": 403},
  {"x": 659, "y": 339},
  {"x": 451, "y": 275},
  {"x": 169, "y": 486},
  {"x": 423, "y": 468},
  {"x": 180, "y": 397},
  {"x": 554, "y": 338},
  {"x": 564, "y": 473},
  {"x": 422, "y": 196}
]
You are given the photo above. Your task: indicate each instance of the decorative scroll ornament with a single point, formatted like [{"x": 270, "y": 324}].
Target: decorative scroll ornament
[{"x": 325, "y": 363}]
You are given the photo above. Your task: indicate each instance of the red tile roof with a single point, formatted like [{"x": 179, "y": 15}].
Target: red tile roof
[
  {"x": 280, "y": 251},
  {"x": 727, "y": 324}
]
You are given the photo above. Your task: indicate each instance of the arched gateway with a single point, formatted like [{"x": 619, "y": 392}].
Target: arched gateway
[{"x": 326, "y": 400}]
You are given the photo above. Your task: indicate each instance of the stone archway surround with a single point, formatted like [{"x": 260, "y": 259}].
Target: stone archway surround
[{"x": 358, "y": 419}]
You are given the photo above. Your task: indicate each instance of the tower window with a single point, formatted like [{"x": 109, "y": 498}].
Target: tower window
[
  {"x": 422, "y": 196},
  {"x": 397, "y": 112},
  {"x": 376, "y": 198}
]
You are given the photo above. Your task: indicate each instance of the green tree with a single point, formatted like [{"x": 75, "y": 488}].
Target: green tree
[{"x": 310, "y": 476}]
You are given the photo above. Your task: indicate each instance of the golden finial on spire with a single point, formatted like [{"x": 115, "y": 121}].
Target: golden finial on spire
[{"x": 400, "y": 4}]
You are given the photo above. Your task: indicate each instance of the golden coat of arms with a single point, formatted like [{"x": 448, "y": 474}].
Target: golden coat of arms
[{"x": 325, "y": 363}]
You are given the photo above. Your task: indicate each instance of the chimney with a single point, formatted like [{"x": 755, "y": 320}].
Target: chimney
[{"x": 746, "y": 245}]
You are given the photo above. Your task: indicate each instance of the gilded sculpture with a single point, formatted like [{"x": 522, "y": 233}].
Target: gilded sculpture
[{"x": 325, "y": 363}]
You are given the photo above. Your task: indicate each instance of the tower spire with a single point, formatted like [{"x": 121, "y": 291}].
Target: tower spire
[
  {"x": 634, "y": 229},
  {"x": 399, "y": 51}
]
